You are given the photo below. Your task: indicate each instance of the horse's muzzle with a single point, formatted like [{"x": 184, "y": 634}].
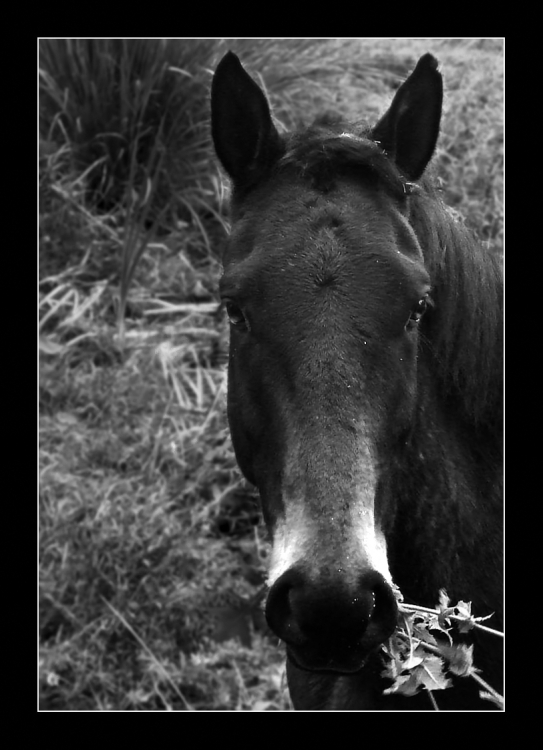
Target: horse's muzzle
[{"x": 327, "y": 624}]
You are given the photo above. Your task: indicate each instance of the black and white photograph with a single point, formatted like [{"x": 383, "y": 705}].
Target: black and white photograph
[{"x": 270, "y": 379}]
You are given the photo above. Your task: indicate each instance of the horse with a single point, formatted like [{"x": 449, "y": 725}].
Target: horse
[{"x": 364, "y": 385}]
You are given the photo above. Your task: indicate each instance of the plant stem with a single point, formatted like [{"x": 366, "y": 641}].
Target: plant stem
[
  {"x": 433, "y": 700},
  {"x": 417, "y": 608},
  {"x": 487, "y": 687},
  {"x": 481, "y": 627}
]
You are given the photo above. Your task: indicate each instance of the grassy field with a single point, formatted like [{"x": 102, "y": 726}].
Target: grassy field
[{"x": 152, "y": 553}]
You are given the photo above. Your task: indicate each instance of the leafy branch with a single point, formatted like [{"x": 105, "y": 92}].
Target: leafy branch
[{"x": 416, "y": 660}]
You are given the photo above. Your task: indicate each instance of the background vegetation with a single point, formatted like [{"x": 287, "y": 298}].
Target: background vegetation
[{"x": 152, "y": 555}]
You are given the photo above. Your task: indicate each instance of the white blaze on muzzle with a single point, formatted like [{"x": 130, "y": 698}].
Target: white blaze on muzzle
[{"x": 344, "y": 535}]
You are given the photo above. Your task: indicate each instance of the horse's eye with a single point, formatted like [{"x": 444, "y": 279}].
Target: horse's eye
[
  {"x": 236, "y": 316},
  {"x": 418, "y": 311}
]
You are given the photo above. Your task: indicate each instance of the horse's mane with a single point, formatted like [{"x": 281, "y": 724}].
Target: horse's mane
[
  {"x": 465, "y": 330},
  {"x": 463, "y": 333}
]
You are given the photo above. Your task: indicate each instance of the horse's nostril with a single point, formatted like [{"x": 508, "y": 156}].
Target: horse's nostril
[
  {"x": 281, "y": 605},
  {"x": 385, "y": 608}
]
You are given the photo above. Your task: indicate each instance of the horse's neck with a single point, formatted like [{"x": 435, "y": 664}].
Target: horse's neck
[{"x": 448, "y": 525}]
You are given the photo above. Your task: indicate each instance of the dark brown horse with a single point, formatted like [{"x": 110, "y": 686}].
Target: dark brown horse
[{"x": 364, "y": 394}]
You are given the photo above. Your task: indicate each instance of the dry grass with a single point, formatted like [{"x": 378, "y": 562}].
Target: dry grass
[{"x": 151, "y": 558}]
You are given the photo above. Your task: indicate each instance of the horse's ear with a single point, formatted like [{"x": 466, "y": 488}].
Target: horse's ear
[
  {"x": 409, "y": 130},
  {"x": 244, "y": 136}
]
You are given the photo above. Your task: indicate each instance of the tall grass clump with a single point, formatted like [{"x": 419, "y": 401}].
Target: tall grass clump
[
  {"x": 131, "y": 118},
  {"x": 133, "y": 113}
]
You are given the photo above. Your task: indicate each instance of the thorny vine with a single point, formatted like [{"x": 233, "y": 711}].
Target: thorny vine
[{"x": 416, "y": 660}]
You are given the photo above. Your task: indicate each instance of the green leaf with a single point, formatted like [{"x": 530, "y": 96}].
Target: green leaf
[
  {"x": 463, "y": 609},
  {"x": 459, "y": 659},
  {"x": 405, "y": 685},
  {"x": 431, "y": 674},
  {"x": 444, "y": 600},
  {"x": 421, "y": 631},
  {"x": 443, "y": 607},
  {"x": 412, "y": 662}
]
